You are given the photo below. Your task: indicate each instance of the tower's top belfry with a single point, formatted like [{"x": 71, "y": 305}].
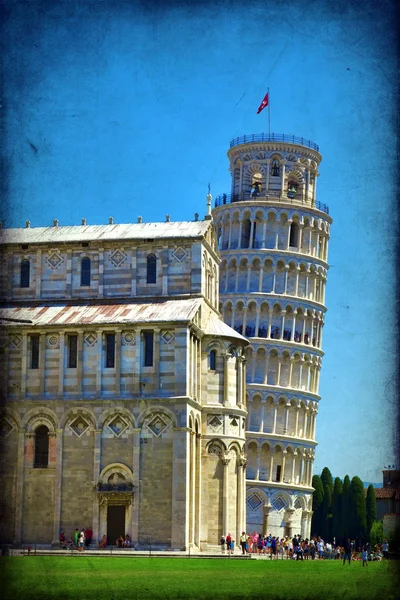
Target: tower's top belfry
[{"x": 273, "y": 167}]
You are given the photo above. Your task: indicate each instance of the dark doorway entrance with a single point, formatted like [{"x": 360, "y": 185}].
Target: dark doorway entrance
[{"x": 115, "y": 523}]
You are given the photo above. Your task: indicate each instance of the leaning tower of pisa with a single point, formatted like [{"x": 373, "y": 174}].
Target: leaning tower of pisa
[{"x": 273, "y": 238}]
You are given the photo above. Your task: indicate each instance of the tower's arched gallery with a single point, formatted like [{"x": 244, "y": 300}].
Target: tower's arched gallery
[{"x": 161, "y": 379}]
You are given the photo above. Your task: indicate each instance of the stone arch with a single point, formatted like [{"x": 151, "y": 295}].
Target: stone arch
[
  {"x": 72, "y": 413},
  {"x": 284, "y": 496},
  {"x": 216, "y": 446},
  {"x": 40, "y": 416},
  {"x": 12, "y": 416},
  {"x": 119, "y": 468},
  {"x": 156, "y": 409}
]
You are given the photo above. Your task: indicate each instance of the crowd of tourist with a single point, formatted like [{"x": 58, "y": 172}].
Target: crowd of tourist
[
  {"x": 83, "y": 538},
  {"x": 297, "y": 548}
]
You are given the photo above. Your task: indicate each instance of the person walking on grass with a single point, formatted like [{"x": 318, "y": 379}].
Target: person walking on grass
[
  {"x": 385, "y": 549},
  {"x": 347, "y": 551},
  {"x": 364, "y": 556}
]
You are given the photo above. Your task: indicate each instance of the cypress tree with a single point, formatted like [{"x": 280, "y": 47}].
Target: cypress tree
[
  {"x": 337, "y": 530},
  {"x": 318, "y": 497},
  {"x": 327, "y": 484},
  {"x": 358, "y": 510},
  {"x": 345, "y": 509},
  {"x": 327, "y": 479},
  {"x": 370, "y": 504}
]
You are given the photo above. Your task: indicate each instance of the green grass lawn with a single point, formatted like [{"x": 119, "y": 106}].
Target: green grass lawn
[{"x": 87, "y": 578}]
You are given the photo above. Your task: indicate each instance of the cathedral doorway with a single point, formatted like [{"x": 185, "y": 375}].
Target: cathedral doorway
[{"x": 115, "y": 523}]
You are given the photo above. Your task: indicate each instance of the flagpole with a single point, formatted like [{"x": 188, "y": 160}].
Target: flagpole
[{"x": 269, "y": 115}]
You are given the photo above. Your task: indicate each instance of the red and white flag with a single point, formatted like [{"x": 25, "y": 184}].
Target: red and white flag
[{"x": 263, "y": 104}]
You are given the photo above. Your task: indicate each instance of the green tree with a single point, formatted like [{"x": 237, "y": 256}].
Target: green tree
[
  {"x": 376, "y": 534},
  {"x": 358, "y": 510},
  {"x": 326, "y": 513},
  {"x": 318, "y": 497},
  {"x": 327, "y": 479},
  {"x": 345, "y": 508},
  {"x": 370, "y": 504},
  {"x": 337, "y": 530}
]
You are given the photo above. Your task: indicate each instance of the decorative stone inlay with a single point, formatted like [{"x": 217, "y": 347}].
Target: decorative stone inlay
[
  {"x": 167, "y": 336},
  {"x": 90, "y": 339},
  {"x": 5, "y": 428},
  {"x": 117, "y": 258},
  {"x": 128, "y": 338},
  {"x": 118, "y": 426},
  {"x": 54, "y": 259},
  {"x": 157, "y": 425},
  {"x": 215, "y": 422},
  {"x": 53, "y": 341},
  {"x": 15, "y": 341},
  {"x": 278, "y": 504},
  {"x": 180, "y": 254},
  {"x": 254, "y": 501},
  {"x": 79, "y": 426},
  {"x": 297, "y": 504},
  {"x": 234, "y": 421}
]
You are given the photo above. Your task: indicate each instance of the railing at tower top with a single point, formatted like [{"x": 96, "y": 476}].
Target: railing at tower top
[
  {"x": 272, "y": 196},
  {"x": 273, "y": 137}
]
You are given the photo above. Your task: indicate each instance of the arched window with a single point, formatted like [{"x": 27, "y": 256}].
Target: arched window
[
  {"x": 246, "y": 227},
  {"x": 275, "y": 169},
  {"x": 25, "y": 273},
  {"x": 292, "y": 189},
  {"x": 85, "y": 272},
  {"x": 294, "y": 235},
  {"x": 41, "y": 447},
  {"x": 151, "y": 269},
  {"x": 212, "y": 360}
]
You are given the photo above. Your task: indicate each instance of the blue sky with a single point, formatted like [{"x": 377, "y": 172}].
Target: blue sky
[{"x": 127, "y": 108}]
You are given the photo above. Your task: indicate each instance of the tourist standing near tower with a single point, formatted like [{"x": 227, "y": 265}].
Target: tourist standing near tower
[{"x": 273, "y": 238}]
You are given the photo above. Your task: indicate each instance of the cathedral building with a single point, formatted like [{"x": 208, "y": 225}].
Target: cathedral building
[
  {"x": 273, "y": 239},
  {"x": 161, "y": 379},
  {"x": 123, "y": 403}
]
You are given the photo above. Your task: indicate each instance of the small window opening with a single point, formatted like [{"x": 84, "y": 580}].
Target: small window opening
[
  {"x": 85, "y": 272},
  {"x": 41, "y": 447},
  {"x": 151, "y": 269},
  {"x": 275, "y": 169},
  {"x": 294, "y": 235},
  {"x": 212, "y": 362},
  {"x": 34, "y": 351},
  {"x": 72, "y": 351},
  {"x": 292, "y": 189},
  {"x": 278, "y": 472},
  {"x": 148, "y": 340},
  {"x": 25, "y": 273},
  {"x": 110, "y": 350}
]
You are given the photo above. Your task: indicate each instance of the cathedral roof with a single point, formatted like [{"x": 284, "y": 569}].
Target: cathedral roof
[
  {"x": 87, "y": 233},
  {"x": 216, "y": 327},
  {"x": 67, "y": 314}
]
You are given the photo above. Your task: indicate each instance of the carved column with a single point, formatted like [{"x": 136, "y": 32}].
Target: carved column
[
  {"x": 289, "y": 524},
  {"x": 57, "y": 438},
  {"x": 79, "y": 383},
  {"x": 96, "y": 475},
  {"x": 266, "y": 511},
  {"x": 99, "y": 362},
  {"x": 42, "y": 362},
  {"x": 198, "y": 492},
  {"x": 19, "y": 487},
  {"x": 180, "y": 466},
  {"x": 136, "y": 484},
  {"x": 240, "y": 524},
  {"x": 225, "y": 493},
  {"x": 284, "y": 453}
]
